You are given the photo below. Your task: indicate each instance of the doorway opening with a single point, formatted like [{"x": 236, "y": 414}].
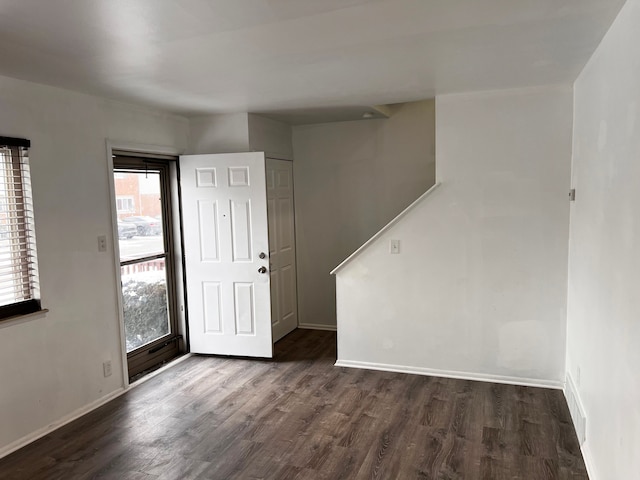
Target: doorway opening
[{"x": 146, "y": 240}]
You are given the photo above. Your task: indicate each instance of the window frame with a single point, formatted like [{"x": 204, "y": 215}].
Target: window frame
[
  {"x": 168, "y": 346},
  {"x": 18, "y": 166}
]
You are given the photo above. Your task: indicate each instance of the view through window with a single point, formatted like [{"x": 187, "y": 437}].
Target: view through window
[{"x": 142, "y": 256}]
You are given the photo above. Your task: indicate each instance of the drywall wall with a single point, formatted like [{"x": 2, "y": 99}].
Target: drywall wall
[
  {"x": 603, "y": 338},
  {"x": 221, "y": 133},
  {"x": 240, "y": 132},
  {"x": 351, "y": 178},
  {"x": 51, "y": 365},
  {"x": 478, "y": 289},
  {"x": 270, "y": 136}
]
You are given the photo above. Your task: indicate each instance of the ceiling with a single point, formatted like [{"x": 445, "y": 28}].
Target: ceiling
[{"x": 296, "y": 57}]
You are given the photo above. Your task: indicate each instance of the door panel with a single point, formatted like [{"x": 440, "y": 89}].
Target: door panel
[
  {"x": 225, "y": 224},
  {"x": 288, "y": 302},
  {"x": 275, "y": 296},
  {"x": 245, "y": 315},
  {"x": 282, "y": 246},
  {"x": 208, "y": 229},
  {"x": 241, "y": 231},
  {"x": 212, "y": 307},
  {"x": 285, "y": 224}
]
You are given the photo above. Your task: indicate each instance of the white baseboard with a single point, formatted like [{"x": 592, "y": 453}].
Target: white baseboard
[
  {"x": 317, "y": 326},
  {"x": 588, "y": 461},
  {"x": 576, "y": 409},
  {"x": 579, "y": 419},
  {"x": 480, "y": 377},
  {"x": 32, "y": 437}
]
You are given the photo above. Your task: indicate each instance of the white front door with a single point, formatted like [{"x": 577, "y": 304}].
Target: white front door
[
  {"x": 224, "y": 206},
  {"x": 282, "y": 246}
]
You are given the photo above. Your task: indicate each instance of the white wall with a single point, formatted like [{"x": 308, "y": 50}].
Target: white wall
[
  {"x": 603, "y": 353},
  {"x": 240, "y": 132},
  {"x": 52, "y": 365},
  {"x": 270, "y": 136},
  {"x": 351, "y": 178},
  {"x": 479, "y": 288},
  {"x": 222, "y": 133}
]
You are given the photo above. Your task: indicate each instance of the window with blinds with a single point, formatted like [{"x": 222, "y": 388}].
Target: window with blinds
[{"x": 19, "y": 292}]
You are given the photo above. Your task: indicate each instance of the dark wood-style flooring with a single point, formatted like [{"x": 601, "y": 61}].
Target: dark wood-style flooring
[{"x": 300, "y": 417}]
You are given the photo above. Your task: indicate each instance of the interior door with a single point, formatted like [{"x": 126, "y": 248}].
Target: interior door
[
  {"x": 282, "y": 247},
  {"x": 224, "y": 205}
]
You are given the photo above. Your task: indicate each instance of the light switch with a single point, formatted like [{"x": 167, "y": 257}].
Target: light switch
[{"x": 394, "y": 246}]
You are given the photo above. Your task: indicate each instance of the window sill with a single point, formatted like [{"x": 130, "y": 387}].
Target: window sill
[{"x": 17, "y": 319}]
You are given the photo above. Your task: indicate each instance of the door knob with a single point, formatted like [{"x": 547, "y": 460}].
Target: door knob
[
  {"x": 262, "y": 270},
  {"x": 262, "y": 255}
]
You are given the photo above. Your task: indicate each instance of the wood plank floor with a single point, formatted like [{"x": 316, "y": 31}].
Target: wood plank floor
[{"x": 299, "y": 417}]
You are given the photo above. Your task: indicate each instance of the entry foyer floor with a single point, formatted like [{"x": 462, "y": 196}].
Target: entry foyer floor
[{"x": 299, "y": 417}]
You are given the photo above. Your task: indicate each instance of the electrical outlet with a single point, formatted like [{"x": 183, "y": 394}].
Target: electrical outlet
[
  {"x": 394, "y": 246},
  {"x": 102, "y": 243},
  {"x": 106, "y": 368}
]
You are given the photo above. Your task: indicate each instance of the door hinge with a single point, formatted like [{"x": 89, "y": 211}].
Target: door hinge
[{"x": 572, "y": 195}]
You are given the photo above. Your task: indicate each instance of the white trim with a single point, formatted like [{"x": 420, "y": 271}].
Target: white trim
[
  {"x": 317, "y": 326},
  {"x": 115, "y": 241},
  {"x": 142, "y": 148},
  {"x": 576, "y": 408},
  {"x": 588, "y": 461},
  {"x": 570, "y": 386},
  {"x": 130, "y": 147},
  {"x": 386, "y": 227},
  {"x": 480, "y": 377},
  {"x": 32, "y": 437}
]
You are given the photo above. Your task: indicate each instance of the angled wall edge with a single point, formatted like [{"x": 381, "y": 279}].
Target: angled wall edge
[{"x": 385, "y": 228}]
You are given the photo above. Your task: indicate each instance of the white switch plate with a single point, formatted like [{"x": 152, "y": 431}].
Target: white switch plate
[
  {"x": 106, "y": 368},
  {"x": 394, "y": 246},
  {"x": 102, "y": 243}
]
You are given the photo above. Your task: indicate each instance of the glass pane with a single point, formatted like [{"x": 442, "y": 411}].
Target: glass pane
[
  {"x": 139, "y": 208},
  {"x": 144, "y": 296}
]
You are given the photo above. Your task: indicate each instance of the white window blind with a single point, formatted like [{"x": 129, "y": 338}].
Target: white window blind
[{"x": 19, "y": 289}]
